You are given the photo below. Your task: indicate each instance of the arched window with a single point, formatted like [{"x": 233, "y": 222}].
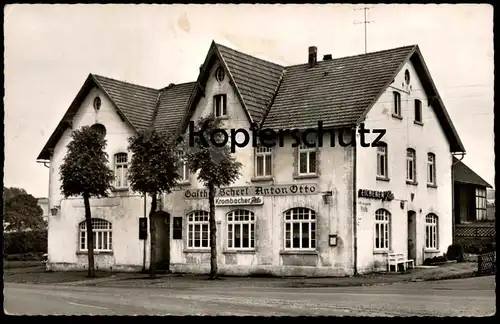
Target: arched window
[
  {"x": 300, "y": 229},
  {"x": 382, "y": 229},
  {"x": 411, "y": 165},
  {"x": 397, "y": 103},
  {"x": 382, "y": 161},
  {"x": 102, "y": 235},
  {"x": 198, "y": 229},
  {"x": 99, "y": 129},
  {"x": 121, "y": 170},
  {"x": 240, "y": 229},
  {"x": 431, "y": 227}
]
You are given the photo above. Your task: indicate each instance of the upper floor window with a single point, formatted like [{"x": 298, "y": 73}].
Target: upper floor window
[
  {"x": 121, "y": 170},
  {"x": 220, "y": 105},
  {"x": 99, "y": 129},
  {"x": 306, "y": 160},
  {"x": 431, "y": 169},
  {"x": 382, "y": 229},
  {"x": 263, "y": 161},
  {"x": 418, "y": 111},
  {"x": 480, "y": 204},
  {"x": 300, "y": 228},
  {"x": 382, "y": 161},
  {"x": 240, "y": 229},
  {"x": 220, "y": 74},
  {"x": 411, "y": 173},
  {"x": 101, "y": 233},
  {"x": 198, "y": 229},
  {"x": 397, "y": 103},
  {"x": 183, "y": 169},
  {"x": 431, "y": 226}
]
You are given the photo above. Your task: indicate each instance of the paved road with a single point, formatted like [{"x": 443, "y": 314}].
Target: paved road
[{"x": 461, "y": 297}]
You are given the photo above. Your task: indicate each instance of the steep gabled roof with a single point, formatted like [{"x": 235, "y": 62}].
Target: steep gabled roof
[
  {"x": 340, "y": 92},
  {"x": 463, "y": 174},
  {"x": 255, "y": 81},
  {"x": 173, "y": 104}
]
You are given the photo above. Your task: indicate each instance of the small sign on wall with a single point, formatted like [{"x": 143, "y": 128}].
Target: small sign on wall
[
  {"x": 177, "y": 233},
  {"x": 143, "y": 228}
]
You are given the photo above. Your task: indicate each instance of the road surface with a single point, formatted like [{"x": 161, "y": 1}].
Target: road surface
[{"x": 461, "y": 297}]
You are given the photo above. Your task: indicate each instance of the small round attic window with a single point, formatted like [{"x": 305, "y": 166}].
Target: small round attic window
[
  {"x": 97, "y": 103},
  {"x": 219, "y": 74},
  {"x": 407, "y": 77}
]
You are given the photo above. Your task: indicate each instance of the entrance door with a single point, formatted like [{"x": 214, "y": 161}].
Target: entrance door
[
  {"x": 412, "y": 235},
  {"x": 162, "y": 224}
]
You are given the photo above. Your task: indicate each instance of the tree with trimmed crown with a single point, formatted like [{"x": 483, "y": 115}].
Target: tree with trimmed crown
[
  {"x": 153, "y": 171},
  {"x": 215, "y": 166},
  {"x": 85, "y": 172}
]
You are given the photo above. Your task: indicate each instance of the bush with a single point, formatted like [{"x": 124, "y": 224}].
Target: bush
[
  {"x": 34, "y": 242},
  {"x": 455, "y": 252}
]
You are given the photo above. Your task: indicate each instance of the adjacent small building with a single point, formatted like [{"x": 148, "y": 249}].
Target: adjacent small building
[{"x": 323, "y": 210}]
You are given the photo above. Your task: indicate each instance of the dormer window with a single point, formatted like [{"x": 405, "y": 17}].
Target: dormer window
[
  {"x": 220, "y": 74},
  {"x": 97, "y": 103},
  {"x": 220, "y": 105}
]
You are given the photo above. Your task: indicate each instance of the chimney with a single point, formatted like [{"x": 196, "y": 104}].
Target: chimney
[
  {"x": 313, "y": 53},
  {"x": 327, "y": 57}
]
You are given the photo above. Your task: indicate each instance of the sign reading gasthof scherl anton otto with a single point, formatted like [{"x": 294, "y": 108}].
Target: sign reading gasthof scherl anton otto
[{"x": 268, "y": 190}]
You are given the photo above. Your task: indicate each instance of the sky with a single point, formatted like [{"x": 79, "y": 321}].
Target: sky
[{"x": 51, "y": 49}]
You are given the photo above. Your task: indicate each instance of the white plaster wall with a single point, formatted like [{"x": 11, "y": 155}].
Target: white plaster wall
[
  {"x": 400, "y": 135},
  {"x": 123, "y": 212},
  {"x": 335, "y": 169}
]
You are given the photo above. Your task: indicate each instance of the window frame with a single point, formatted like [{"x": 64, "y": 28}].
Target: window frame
[
  {"x": 312, "y": 233},
  {"x": 480, "y": 198},
  {"x": 418, "y": 108},
  {"x": 183, "y": 168},
  {"x": 431, "y": 226},
  {"x": 223, "y": 100},
  {"x": 413, "y": 160},
  {"x": 308, "y": 150},
  {"x": 396, "y": 107},
  {"x": 231, "y": 224},
  {"x": 96, "y": 233},
  {"x": 266, "y": 152},
  {"x": 385, "y": 155},
  {"x": 121, "y": 165},
  {"x": 194, "y": 223},
  {"x": 431, "y": 169},
  {"x": 382, "y": 226}
]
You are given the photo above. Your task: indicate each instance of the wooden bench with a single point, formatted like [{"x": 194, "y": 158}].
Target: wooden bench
[{"x": 395, "y": 259}]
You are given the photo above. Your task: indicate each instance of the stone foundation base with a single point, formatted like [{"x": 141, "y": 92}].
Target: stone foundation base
[{"x": 61, "y": 266}]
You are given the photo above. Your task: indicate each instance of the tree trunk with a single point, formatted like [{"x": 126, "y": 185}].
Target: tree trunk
[
  {"x": 90, "y": 236},
  {"x": 213, "y": 232},
  {"x": 152, "y": 231}
]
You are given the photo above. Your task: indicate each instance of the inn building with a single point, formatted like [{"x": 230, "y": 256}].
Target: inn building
[{"x": 333, "y": 210}]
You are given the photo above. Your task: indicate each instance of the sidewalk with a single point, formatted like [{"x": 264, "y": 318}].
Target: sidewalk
[{"x": 445, "y": 271}]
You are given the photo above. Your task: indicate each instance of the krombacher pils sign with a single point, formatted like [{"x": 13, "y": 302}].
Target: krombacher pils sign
[{"x": 268, "y": 190}]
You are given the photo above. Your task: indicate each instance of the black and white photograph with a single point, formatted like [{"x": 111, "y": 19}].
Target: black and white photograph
[{"x": 249, "y": 160}]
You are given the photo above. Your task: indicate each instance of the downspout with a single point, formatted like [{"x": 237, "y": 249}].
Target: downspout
[
  {"x": 453, "y": 221},
  {"x": 144, "y": 245},
  {"x": 355, "y": 205}
]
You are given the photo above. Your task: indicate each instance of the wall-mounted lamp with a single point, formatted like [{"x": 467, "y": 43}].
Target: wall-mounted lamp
[
  {"x": 412, "y": 195},
  {"x": 54, "y": 210},
  {"x": 402, "y": 204},
  {"x": 326, "y": 196},
  {"x": 333, "y": 240}
]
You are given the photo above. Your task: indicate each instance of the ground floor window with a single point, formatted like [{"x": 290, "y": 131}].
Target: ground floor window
[
  {"x": 431, "y": 225},
  {"x": 300, "y": 228},
  {"x": 240, "y": 229},
  {"x": 198, "y": 229},
  {"x": 382, "y": 229},
  {"x": 101, "y": 232}
]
